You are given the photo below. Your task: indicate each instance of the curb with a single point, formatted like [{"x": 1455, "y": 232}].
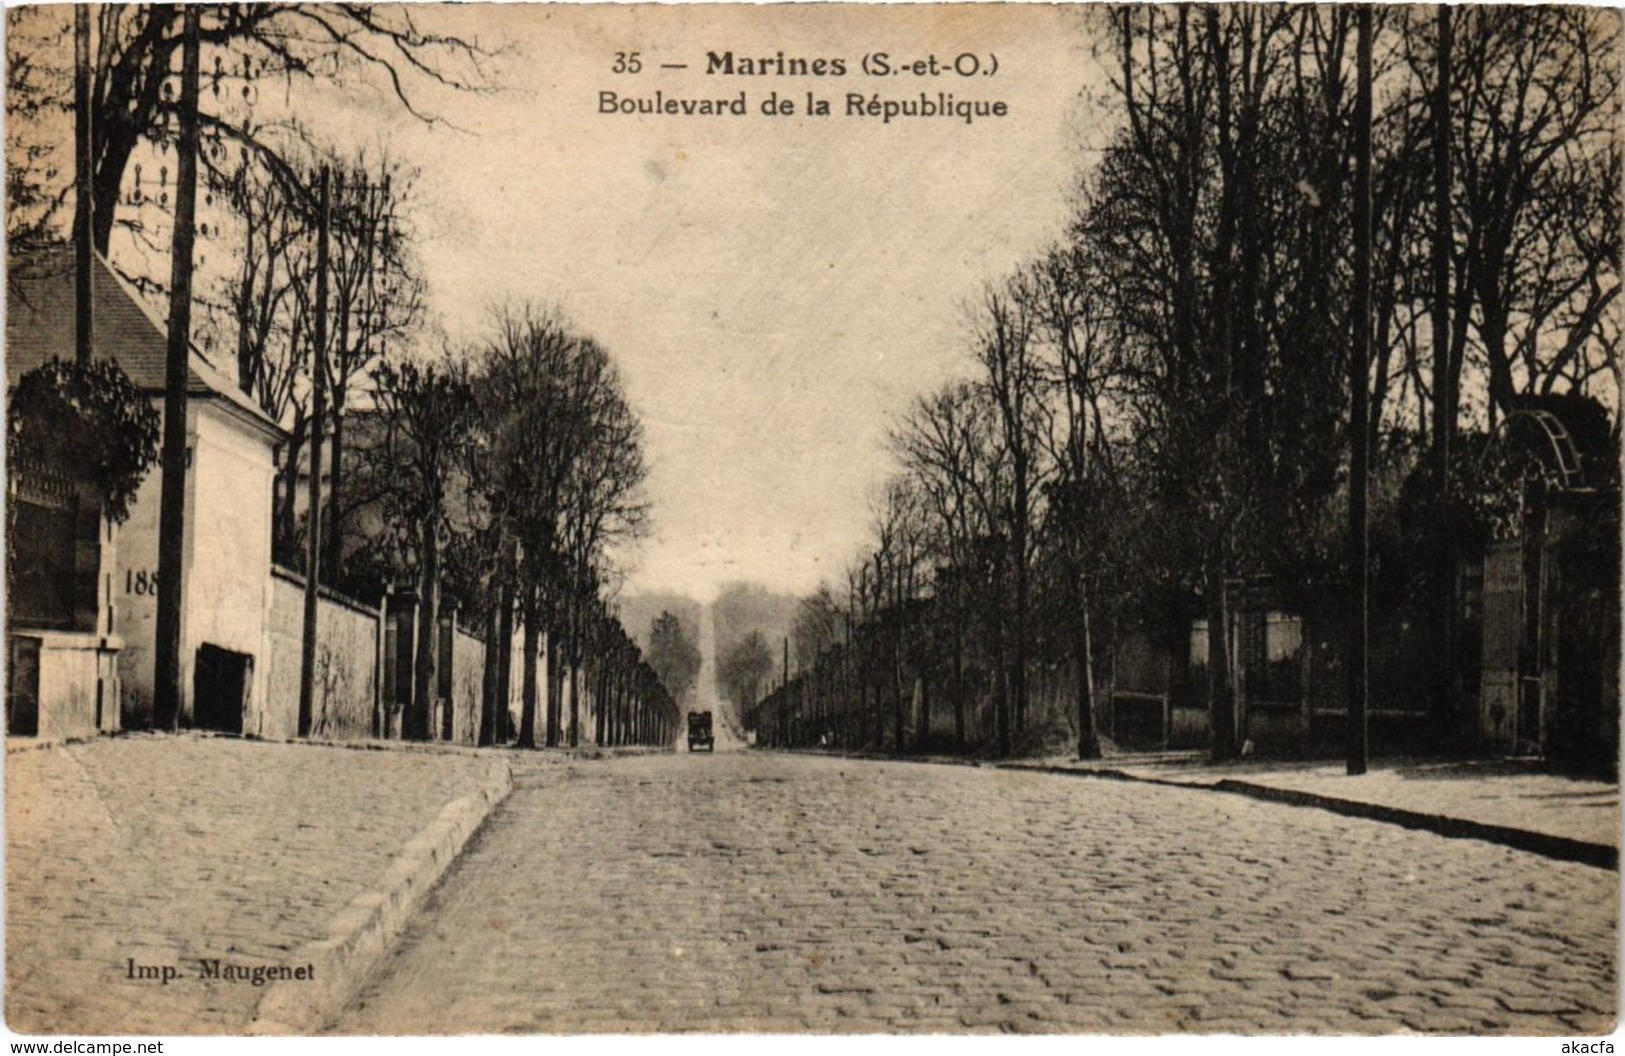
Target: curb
[
  {"x": 881, "y": 757},
  {"x": 365, "y": 930},
  {"x": 1560, "y": 848},
  {"x": 36, "y": 744}
]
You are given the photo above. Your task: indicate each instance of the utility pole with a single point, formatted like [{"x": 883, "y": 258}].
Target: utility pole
[
  {"x": 1444, "y": 396},
  {"x": 177, "y": 366},
  {"x": 1360, "y": 385},
  {"x": 84, "y": 290},
  {"x": 318, "y": 424}
]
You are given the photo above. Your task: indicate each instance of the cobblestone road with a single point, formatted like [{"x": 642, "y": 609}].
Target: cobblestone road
[{"x": 749, "y": 892}]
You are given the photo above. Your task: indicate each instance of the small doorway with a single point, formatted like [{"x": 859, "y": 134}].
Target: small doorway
[
  {"x": 220, "y": 684},
  {"x": 22, "y": 686}
]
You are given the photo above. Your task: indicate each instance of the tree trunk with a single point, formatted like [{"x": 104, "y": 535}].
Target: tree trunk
[
  {"x": 1001, "y": 702},
  {"x": 527, "y": 700},
  {"x": 1493, "y": 333},
  {"x": 1018, "y": 536},
  {"x": 897, "y": 689},
  {"x": 1221, "y": 699},
  {"x": 1088, "y": 735},
  {"x": 333, "y": 523},
  {"x": 922, "y": 736},
  {"x": 618, "y": 735},
  {"x": 959, "y": 686},
  {"x": 1444, "y": 404},
  {"x": 420, "y": 726},
  {"x": 575, "y": 694},
  {"x": 555, "y": 685},
  {"x": 488, "y": 685},
  {"x": 600, "y": 695},
  {"x": 504, "y": 720},
  {"x": 286, "y": 544}
]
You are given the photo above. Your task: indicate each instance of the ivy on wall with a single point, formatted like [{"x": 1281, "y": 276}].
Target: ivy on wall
[{"x": 84, "y": 421}]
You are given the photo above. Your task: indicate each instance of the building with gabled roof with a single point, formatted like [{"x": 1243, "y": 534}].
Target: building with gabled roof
[{"x": 231, "y": 457}]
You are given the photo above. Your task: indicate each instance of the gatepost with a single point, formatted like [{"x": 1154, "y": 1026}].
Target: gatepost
[
  {"x": 405, "y": 613},
  {"x": 444, "y": 685}
]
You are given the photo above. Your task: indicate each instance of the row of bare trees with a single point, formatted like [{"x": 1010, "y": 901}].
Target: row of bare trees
[
  {"x": 505, "y": 472},
  {"x": 1158, "y": 407}
]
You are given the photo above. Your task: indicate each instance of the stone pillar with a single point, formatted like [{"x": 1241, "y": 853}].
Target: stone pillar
[
  {"x": 383, "y": 673},
  {"x": 445, "y": 687},
  {"x": 401, "y": 712}
]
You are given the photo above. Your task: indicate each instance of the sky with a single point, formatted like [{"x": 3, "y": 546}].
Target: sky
[{"x": 775, "y": 289}]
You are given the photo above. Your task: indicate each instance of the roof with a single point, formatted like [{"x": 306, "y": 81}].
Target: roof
[{"x": 40, "y": 325}]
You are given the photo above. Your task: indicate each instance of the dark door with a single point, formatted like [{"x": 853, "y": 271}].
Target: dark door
[
  {"x": 22, "y": 687},
  {"x": 220, "y": 689}
]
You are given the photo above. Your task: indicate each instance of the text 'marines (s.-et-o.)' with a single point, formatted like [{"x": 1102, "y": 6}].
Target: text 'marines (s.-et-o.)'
[{"x": 673, "y": 99}]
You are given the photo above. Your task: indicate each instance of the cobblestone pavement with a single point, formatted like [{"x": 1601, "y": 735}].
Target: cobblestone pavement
[
  {"x": 164, "y": 850},
  {"x": 780, "y": 893},
  {"x": 1492, "y": 792}
]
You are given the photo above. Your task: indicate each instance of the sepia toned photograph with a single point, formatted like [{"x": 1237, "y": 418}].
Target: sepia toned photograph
[{"x": 812, "y": 519}]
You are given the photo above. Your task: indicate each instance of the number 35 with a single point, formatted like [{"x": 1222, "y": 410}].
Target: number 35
[{"x": 627, "y": 62}]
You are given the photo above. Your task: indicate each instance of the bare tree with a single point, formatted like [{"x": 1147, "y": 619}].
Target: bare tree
[
  {"x": 673, "y": 655},
  {"x": 947, "y": 443},
  {"x": 243, "y": 45},
  {"x": 1013, "y": 380},
  {"x": 35, "y": 180},
  {"x": 899, "y": 531},
  {"x": 1072, "y": 325},
  {"x": 603, "y": 503},
  {"x": 1182, "y": 208},
  {"x": 1536, "y": 99},
  {"x": 375, "y": 297},
  {"x": 745, "y": 668},
  {"x": 565, "y": 466},
  {"x": 428, "y": 416},
  {"x": 818, "y": 627}
]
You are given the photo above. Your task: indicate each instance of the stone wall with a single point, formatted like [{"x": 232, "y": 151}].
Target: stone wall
[
  {"x": 66, "y": 684},
  {"x": 467, "y": 677},
  {"x": 346, "y": 664}
]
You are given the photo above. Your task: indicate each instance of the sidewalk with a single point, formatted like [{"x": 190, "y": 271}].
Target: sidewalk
[
  {"x": 1505, "y": 801},
  {"x": 132, "y": 855}
]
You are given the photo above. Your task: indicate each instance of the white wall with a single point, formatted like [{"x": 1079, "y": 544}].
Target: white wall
[
  {"x": 227, "y": 557},
  {"x": 135, "y": 599}
]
